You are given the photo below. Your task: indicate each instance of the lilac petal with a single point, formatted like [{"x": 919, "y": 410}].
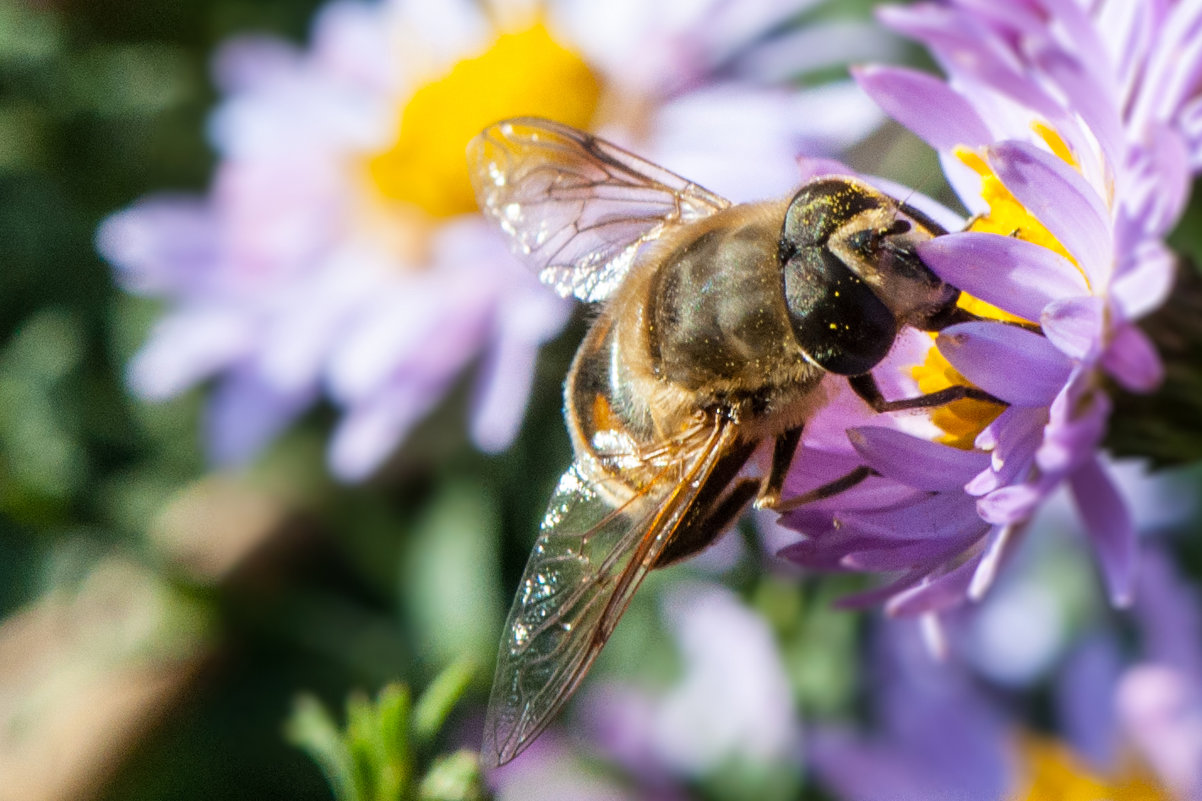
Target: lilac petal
[
  {"x": 1014, "y": 364},
  {"x": 926, "y": 105},
  {"x": 919, "y": 463},
  {"x": 1109, "y": 525},
  {"x": 876, "y": 595},
  {"x": 1132, "y": 359},
  {"x": 943, "y": 514},
  {"x": 371, "y": 430},
  {"x": 1074, "y": 325},
  {"x": 1012, "y": 274},
  {"x": 1092, "y": 93},
  {"x": 1145, "y": 280},
  {"x": 245, "y": 413},
  {"x": 901, "y": 556},
  {"x": 189, "y": 346},
  {"x": 1076, "y": 424},
  {"x": 162, "y": 245},
  {"x": 999, "y": 545},
  {"x": 1060, "y": 198},
  {"x": 1009, "y": 505},
  {"x": 947, "y": 591},
  {"x": 1091, "y": 672}
]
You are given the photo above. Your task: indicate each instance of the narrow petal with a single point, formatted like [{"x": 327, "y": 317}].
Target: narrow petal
[
  {"x": 1009, "y": 505},
  {"x": 1016, "y": 365},
  {"x": 924, "y": 104},
  {"x": 919, "y": 463},
  {"x": 1109, "y": 525},
  {"x": 1012, "y": 274},
  {"x": 997, "y": 547},
  {"x": 1132, "y": 359},
  {"x": 900, "y": 556},
  {"x": 1146, "y": 279},
  {"x": 1060, "y": 198},
  {"x": 1074, "y": 325},
  {"x": 245, "y": 413},
  {"x": 947, "y": 591}
]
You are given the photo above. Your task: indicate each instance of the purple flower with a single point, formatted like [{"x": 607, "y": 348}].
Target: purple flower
[
  {"x": 338, "y": 252},
  {"x": 1069, "y": 131},
  {"x": 1125, "y": 726}
]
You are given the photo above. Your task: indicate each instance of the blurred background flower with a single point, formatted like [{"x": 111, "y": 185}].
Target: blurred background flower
[
  {"x": 289, "y": 252},
  {"x": 337, "y": 252}
]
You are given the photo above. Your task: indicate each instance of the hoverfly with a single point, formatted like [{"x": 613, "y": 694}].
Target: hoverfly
[{"x": 716, "y": 329}]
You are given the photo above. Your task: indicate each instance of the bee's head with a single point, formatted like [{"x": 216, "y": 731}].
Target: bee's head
[{"x": 851, "y": 274}]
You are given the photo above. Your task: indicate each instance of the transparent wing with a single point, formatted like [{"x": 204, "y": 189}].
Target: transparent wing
[
  {"x": 586, "y": 564},
  {"x": 577, "y": 208}
]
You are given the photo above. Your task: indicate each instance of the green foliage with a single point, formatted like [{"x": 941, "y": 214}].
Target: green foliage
[{"x": 375, "y": 756}]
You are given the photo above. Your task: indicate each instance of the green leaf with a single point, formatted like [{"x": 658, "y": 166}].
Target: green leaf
[
  {"x": 454, "y": 777},
  {"x": 313, "y": 730},
  {"x": 440, "y": 697}
]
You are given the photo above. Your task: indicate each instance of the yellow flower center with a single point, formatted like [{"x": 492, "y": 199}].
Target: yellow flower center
[
  {"x": 963, "y": 420},
  {"x": 1054, "y": 773},
  {"x": 527, "y": 72}
]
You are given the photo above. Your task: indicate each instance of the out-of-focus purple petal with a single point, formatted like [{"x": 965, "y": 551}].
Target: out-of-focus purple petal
[
  {"x": 878, "y": 595},
  {"x": 1161, "y": 709},
  {"x": 1090, "y": 674},
  {"x": 1158, "y": 183},
  {"x": 244, "y": 63},
  {"x": 1145, "y": 280},
  {"x": 1132, "y": 359},
  {"x": 997, "y": 547},
  {"x": 1014, "y": 364},
  {"x": 1013, "y": 274},
  {"x": 935, "y": 595},
  {"x": 1089, "y": 85},
  {"x": 1060, "y": 198},
  {"x": 161, "y": 244},
  {"x": 925, "y": 105},
  {"x": 502, "y": 390},
  {"x": 1076, "y": 424},
  {"x": 920, "y": 463},
  {"x": 245, "y": 413},
  {"x": 188, "y": 347},
  {"x": 1010, "y": 504},
  {"x": 1170, "y": 613},
  {"x": 1109, "y": 525},
  {"x": 1074, "y": 325},
  {"x": 370, "y": 431}
]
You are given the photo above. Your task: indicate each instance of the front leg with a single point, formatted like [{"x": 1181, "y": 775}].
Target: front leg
[
  {"x": 783, "y": 449},
  {"x": 866, "y": 387}
]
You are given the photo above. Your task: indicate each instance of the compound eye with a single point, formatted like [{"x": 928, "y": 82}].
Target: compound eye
[{"x": 840, "y": 323}]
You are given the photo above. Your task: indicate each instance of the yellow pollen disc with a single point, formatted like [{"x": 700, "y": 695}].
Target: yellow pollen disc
[
  {"x": 963, "y": 420},
  {"x": 1054, "y": 773},
  {"x": 527, "y": 72}
]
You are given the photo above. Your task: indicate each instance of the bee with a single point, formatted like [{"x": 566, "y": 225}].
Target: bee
[{"x": 717, "y": 329}]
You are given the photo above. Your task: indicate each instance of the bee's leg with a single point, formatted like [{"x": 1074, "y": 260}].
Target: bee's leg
[
  {"x": 827, "y": 490},
  {"x": 699, "y": 531},
  {"x": 782, "y": 456},
  {"x": 866, "y": 387},
  {"x": 714, "y": 508}
]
